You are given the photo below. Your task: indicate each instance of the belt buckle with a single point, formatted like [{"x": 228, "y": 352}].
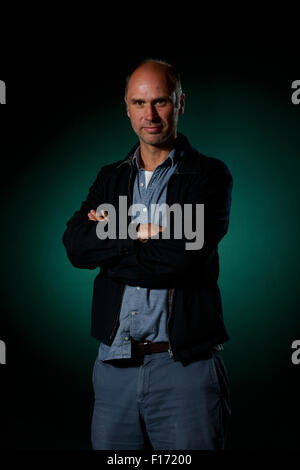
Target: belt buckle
[{"x": 146, "y": 345}]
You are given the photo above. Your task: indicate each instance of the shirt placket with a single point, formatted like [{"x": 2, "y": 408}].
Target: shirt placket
[{"x": 137, "y": 310}]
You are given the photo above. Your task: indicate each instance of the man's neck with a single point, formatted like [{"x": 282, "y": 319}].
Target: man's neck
[{"x": 151, "y": 156}]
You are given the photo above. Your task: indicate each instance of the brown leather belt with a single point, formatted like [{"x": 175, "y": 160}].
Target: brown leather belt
[{"x": 148, "y": 347}]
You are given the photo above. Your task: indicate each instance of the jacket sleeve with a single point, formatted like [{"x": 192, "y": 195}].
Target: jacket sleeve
[
  {"x": 160, "y": 263},
  {"x": 84, "y": 248}
]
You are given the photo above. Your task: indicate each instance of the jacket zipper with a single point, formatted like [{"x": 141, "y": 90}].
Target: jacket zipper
[
  {"x": 170, "y": 309},
  {"x": 170, "y": 291}
]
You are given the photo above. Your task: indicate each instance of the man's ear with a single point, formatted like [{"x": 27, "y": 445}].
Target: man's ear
[
  {"x": 126, "y": 107},
  {"x": 181, "y": 104}
]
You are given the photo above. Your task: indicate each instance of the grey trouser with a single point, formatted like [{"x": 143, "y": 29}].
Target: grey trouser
[{"x": 160, "y": 404}]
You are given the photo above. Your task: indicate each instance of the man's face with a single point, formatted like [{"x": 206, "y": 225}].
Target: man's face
[{"x": 151, "y": 105}]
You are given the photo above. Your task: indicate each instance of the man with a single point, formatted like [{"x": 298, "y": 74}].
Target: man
[{"x": 159, "y": 378}]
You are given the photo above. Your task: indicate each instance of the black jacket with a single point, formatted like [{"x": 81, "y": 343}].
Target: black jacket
[{"x": 195, "y": 319}]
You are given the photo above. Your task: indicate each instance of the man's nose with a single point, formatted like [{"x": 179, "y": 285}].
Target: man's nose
[{"x": 150, "y": 112}]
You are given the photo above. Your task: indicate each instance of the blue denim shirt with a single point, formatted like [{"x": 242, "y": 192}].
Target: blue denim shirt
[{"x": 143, "y": 314}]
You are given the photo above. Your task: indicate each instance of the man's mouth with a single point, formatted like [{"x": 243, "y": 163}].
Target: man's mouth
[{"x": 152, "y": 129}]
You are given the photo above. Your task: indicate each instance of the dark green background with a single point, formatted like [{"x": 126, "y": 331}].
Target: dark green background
[{"x": 239, "y": 109}]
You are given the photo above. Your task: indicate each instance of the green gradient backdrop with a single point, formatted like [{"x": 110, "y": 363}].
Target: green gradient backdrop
[{"x": 254, "y": 129}]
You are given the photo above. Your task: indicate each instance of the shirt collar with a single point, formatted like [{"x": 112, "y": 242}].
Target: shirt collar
[{"x": 168, "y": 161}]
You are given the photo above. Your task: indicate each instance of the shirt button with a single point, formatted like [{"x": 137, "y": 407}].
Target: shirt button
[
  {"x": 126, "y": 338},
  {"x": 138, "y": 288},
  {"x": 144, "y": 209},
  {"x": 142, "y": 184},
  {"x": 133, "y": 313}
]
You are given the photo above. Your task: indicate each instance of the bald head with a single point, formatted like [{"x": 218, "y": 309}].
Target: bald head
[{"x": 164, "y": 72}]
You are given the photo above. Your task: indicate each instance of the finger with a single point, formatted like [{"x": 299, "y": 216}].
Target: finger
[
  {"x": 95, "y": 217},
  {"x": 104, "y": 214}
]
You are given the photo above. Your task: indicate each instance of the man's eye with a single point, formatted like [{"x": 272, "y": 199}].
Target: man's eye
[
  {"x": 161, "y": 102},
  {"x": 138, "y": 103}
]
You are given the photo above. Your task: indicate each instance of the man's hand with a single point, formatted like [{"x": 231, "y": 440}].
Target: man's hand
[
  {"x": 93, "y": 215},
  {"x": 146, "y": 231}
]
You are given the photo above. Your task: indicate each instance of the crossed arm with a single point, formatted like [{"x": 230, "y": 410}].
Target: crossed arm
[
  {"x": 144, "y": 231},
  {"x": 147, "y": 261}
]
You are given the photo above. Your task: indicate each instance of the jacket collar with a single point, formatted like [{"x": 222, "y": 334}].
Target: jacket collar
[{"x": 183, "y": 151}]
